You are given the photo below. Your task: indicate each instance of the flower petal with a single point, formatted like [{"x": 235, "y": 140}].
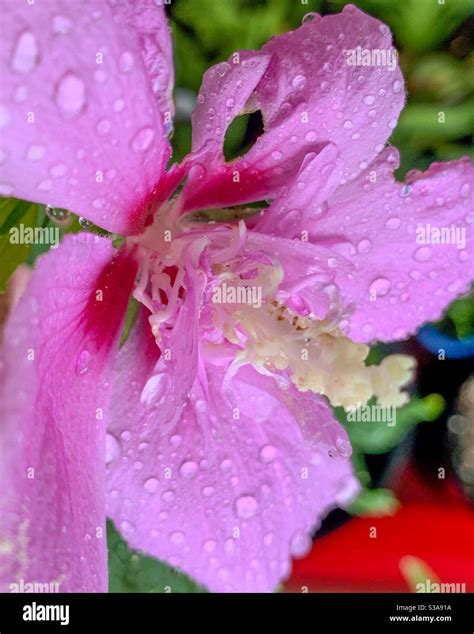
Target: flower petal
[
  {"x": 81, "y": 94},
  {"x": 355, "y": 107},
  {"x": 389, "y": 230},
  {"x": 309, "y": 95},
  {"x": 235, "y": 489},
  {"x": 223, "y": 95},
  {"x": 55, "y": 371}
]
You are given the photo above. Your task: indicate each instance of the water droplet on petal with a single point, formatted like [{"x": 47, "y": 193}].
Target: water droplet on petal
[
  {"x": 246, "y": 506},
  {"x": 364, "y": 246},
  {"x": 209, "y": 545},
  {"x": 112, "y": 448},
  {"x": 71, "y": 95},
  {"x": 397, "y": 85},
  {"x": 151, "y": 485},
  {"x": 61, "y": 25},
  {"x": 58, "y": 170},
  {"x": 168, "y": 496},
  {"x": 177, "y": 538},
  {"x": 309, "y": 17},
  {"x": 188, "y": 469},
  {"x": 405, "y": 191},
  {"x": 126, "y": 62},
  {"x": 83, "y": 362},
  {"x": 142, "y": 140},
  {"x": 344, "y": 447},
  {"x": 393, "y": 223},
  {"x": 4, "y": 116},
  {"x": 298, "y": 82},
  {"x": 300, "y": 544},
  {"x": 103, "y": 126},
  {"x": 380, "y": 286},
  {"x": 35, "y": 153},
  {"x": 25, "y": 54},
  {"x": 369, "y": 100},
  {"x": 268, "y": 453},
  {"x": 423, "y": 254},
  {"x": 226, "y": 465}
]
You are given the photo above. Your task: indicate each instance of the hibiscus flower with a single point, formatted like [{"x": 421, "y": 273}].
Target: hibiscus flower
[{"x": 207, "y": 436}]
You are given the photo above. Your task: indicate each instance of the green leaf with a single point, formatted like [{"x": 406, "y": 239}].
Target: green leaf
[
  {"x": 416, "y": 571},
  {"x": 12, "y": 255},
  {"x": 131, "y": 571},
  {"x": 376, "y": 436},
  {"x": 15, "y": 212},
  {"x": 374, "y": 503}
]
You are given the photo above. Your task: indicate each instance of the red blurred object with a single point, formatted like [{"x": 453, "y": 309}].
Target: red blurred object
[{"x": 435, "y": 524}]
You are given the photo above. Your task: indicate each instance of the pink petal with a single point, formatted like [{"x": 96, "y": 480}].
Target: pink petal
[
  {"x": 81, "y": 94},
  {"x": 55, "y": 370},
  {"x": 227, "y": 500},
  {"x": 290, "y": 214},
  {"x": 223, "y": 95},
  {"x": 375, "y": 222},
  {"x": 260, "y": 174},
  {"x": 309, "y": 95},
  {"x": 354, "y": 107}
]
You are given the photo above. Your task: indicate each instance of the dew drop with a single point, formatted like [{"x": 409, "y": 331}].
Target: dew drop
[
  {"x": 177, "y": 538},
  {"x": 126, "y": 62},
  {"x": 188, "y": 469},
  {"x": 25, "y": 54},
  {"x": 226, "y": 465},
  {"x": 298, "y": 82},
  {"x": 56, "y": 214},
  {"x": 119, "y": 105},
  {"x": 142, "y": 140},
  {"x": 71, "y": 95},
  {"x": 364, "y": 246},
  {"x": 58, "y": 170},
  {"x": 309, "y": 17},
  {"x": 380, "y": 286},
  {"x": 4, "y": 116},
  {"x": 369, "y": 100},
  {"x": 112, "y": 448},
  {"x": 61, "y": 25},
  {"x": 268, "y": 453},
  {"x": 300, "y": 544},
  {"x": 397, "y": 86},
  {"x": 246, "y": 506},
  {"x": 423, "y": 254},
  {"x": 168, "y": 496},
  {"x": 151, "y": 485},
  {"x": 83, "y": 362},
  {"x": 84, "y": 223},
  {"x": 35, "y": 153},
  {"x": 103, "y": 127},
  {"x": 393, "y": 223}
]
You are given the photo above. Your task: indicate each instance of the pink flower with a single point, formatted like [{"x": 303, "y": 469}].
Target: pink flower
[{"x": 222, "y": 454}]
